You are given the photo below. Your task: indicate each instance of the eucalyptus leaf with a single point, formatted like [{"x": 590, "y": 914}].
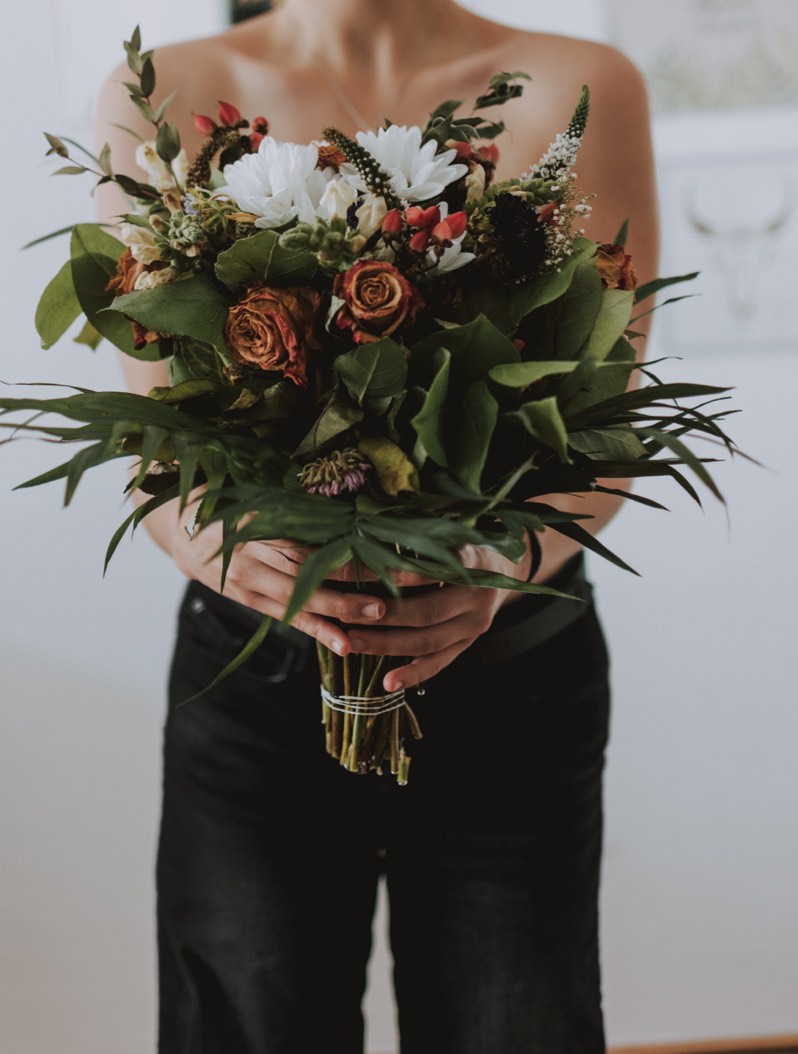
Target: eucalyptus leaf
[
  {"x": 477, "y": 423},
  {"x": 612, "y": 320},
  {"x": 542, "y": 419},
  {"x": 194, "y": 307},
  {"x": 428, "y": 422},
  {"x": 261, "y": 258},
  {"x": 615, "y": 443},
  {"x": 94, "y": 257},
  {"x": 58, "y": 307},
  {"x": 373, "y": 370}
]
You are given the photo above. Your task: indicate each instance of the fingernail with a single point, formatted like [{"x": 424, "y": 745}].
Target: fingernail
[
  {"x": 338, "y": 647},
  {"x": 372, "y": 611},
  {"x": 397, "y": 686},
  {"x": 358, "y": 644}
]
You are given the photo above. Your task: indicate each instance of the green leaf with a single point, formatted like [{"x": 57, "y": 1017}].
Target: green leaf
[
  {"x": 373, "y": 371},
  {"x": 613, "y": 318},
  {"x": 164, "y": 106},
  {"x": 649, "y": 288},
  {"x": 623, "y": 234},
  {"x": 428, "y": 422},
  {"x": 578, "y": 311},
  {"x": 135, "y": 39},
  {"x": 615, "y": 443},
  {"x": 475, "y": 348},
  {"x": 522, "y": 374},
  {"x": 47, "y": 237},
  {"x": 337, "y": 417},
  {"x": 194, "y": 307},
  {"x": 58, "y": 307},
  {"x": 147, "y": 77},
  {"x": 685, "y": 455},
  {"x": 313, "y": 571},
  {"x": 70, "y": 170},
  {"x": 190, "y": 389},
  {"x": 145, "y": 108},
  {"x": 249, "y": 648},
  {"x": 56, "y": 146},
  {"x": 167, "y": 143},
  {"x": 542, "y": 420},
  {"x": 94, "y": 256},
  {"x": 260, "y": 258},
  {"x": 89, "y": 336},
  {"x": 585, "y": 538},
  {"x": 479, "y": 414}
]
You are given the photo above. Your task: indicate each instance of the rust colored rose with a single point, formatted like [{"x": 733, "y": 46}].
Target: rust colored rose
[
  {"x": 271, "y": 328},
  {"x": 128, "y": 271},
  {"x": 615, "y": 268},
  {"x": 377, "y": 300}
]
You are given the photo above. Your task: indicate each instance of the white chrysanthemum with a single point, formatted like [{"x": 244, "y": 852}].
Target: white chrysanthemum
[
  {"x": 418, "y": 173},
  {"x": 452, "y": 258},
  {"x": 277, "y": 183},
  {"x": 140, "y": 241},
  {"x": 158, "y": 174}
]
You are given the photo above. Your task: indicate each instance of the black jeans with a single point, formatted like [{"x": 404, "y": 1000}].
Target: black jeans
[{"x": 270, "y": 853}]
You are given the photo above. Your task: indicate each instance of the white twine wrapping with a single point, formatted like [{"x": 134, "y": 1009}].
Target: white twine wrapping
[{"x": 368, "y": 706}]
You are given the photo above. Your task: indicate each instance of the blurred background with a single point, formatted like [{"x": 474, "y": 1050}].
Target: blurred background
[{"x": 699, "y": 915}]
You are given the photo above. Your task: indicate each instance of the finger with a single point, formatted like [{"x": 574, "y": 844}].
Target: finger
[
  {"x": 432, "y": 608},
  {"x": 327, "y": 633},
  {"x": 417, "y": 642},
  {"x": 423, "y": 669}
]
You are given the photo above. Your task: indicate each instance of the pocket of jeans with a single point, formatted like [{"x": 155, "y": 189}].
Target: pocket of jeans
[{"x": 223, "y": 632}]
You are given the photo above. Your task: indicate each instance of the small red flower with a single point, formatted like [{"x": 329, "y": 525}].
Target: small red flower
[
  {"x": 419, "y": 242},
  {"x": 203, "y": 125},
  {"x": 449, "y": 229},
  {"x": 260, "y": 125},
  {"x": 392, "y": 224},
  {"x": 425, "y": 219},
  {"x": 489, "y": 152},
  {"x": 228, "y": 114}
]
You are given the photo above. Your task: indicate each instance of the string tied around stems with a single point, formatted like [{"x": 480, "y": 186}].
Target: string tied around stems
[{"x": 364, "y": 705}]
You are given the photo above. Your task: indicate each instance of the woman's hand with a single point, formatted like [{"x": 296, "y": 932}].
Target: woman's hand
[
  {"x": 262, "y": 575},
  {"x": 437, "y": 626}
]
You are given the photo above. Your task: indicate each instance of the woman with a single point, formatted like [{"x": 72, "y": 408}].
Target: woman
[{"x": 268, "y": 854}]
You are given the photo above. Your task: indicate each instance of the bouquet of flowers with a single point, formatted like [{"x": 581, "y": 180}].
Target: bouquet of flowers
[{"x": 374, "y": 348}]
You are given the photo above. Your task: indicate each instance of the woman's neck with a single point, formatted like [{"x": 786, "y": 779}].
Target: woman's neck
[{"x": 381, "y": 39}]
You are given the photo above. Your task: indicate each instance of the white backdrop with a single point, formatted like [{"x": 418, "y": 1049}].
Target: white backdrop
[{"x": 699, "y": 924}]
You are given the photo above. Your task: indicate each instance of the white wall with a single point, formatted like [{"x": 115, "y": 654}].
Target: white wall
[{"x": 699, "y": 923}]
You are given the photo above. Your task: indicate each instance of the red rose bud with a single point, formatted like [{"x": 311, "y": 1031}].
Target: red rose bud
[
  {"x": 419, "y": 242},
  {"x": 261, "y": 126},
  {"x": 203, "y": 125},
  {"x": 255, "y": 140},
  {"x": 425, "y": 219},
  {"x": 228, "y": 114},
  {"x": 442, "y": 232},
  {"x": 489, "y": 152}
]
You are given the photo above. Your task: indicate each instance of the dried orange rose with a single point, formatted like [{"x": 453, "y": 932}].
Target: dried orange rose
[
  {"x": 615, "y": 268},
  {"x": 377, "y": 300},
  {"x": 272, "y": 328},
  {"x": 128, "y": 272}
]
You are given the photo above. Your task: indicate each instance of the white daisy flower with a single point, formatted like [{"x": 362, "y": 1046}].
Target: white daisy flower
[
  {"x": 277, "y": 183},
  {"x": 417, "y": 172}
]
